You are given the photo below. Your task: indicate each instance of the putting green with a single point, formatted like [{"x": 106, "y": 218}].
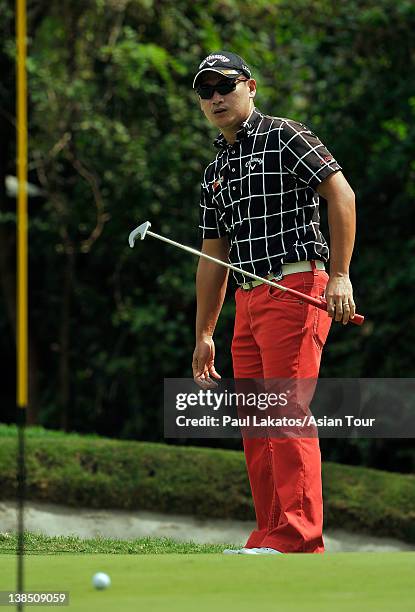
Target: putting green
[{"x": 378, "y": 582}]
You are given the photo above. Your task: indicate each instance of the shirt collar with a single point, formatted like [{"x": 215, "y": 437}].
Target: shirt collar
[{"x": 246, "y": 129}]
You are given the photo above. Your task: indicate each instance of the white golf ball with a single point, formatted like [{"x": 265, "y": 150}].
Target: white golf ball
[{"x": 101, "y": 581}]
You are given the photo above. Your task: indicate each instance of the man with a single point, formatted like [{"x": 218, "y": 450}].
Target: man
[{"x": 260, "y": 209}]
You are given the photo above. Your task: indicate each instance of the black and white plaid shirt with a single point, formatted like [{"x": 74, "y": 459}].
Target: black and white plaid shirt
[{"x": 261, "y": 192}]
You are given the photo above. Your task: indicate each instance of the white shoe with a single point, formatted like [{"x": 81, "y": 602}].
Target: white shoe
[
  {"x": 261, "y": 551},
  {"x": 233, "y": 551}
]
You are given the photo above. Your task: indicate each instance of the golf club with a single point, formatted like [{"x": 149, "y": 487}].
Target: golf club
[{"x": 143, "y": 229}]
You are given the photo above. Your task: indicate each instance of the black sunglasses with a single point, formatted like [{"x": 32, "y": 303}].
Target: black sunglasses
[{"x": 223, "y": 87}]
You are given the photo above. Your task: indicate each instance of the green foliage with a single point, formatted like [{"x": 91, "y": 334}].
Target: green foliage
[{"x": 101, "y": 473}]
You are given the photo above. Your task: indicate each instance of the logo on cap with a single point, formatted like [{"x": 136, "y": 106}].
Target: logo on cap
[{"x": 212, "y": 59}]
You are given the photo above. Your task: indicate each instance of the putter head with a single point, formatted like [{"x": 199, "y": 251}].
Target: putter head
[{"x": 141, "y": 231}]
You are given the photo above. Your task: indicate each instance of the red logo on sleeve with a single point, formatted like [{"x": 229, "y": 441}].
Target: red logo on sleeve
[{"x": 217, "y": 183}]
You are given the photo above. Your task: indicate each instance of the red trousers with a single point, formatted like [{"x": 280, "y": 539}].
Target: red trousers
[{"x": 279, "y": 336}]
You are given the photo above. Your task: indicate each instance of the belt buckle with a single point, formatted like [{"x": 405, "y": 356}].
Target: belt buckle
[{"x": 250, "y": 286}]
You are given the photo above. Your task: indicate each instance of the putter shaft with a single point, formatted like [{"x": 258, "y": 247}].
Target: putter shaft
[{"x": 321, "y": 303}]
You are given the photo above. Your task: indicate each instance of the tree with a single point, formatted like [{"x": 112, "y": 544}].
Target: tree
[{"x": 117, "y": 138}]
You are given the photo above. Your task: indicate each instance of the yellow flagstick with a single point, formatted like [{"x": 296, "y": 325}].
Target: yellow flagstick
[
  {"x": 22, "y": 301},
  {"x": 22, "y": 276}
]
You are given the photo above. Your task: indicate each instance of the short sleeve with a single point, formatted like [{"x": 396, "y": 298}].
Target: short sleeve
[
  {"x": 304, "y": 155},
  {"x": 210, "y": 225}
]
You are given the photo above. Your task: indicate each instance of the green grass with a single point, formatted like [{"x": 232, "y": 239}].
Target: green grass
[
  {"x": 39, "y": 544},
  {"x": 95, "y": 472},
  {"x": 37, "y": 431},
  {"x": 185, "y": 583}
]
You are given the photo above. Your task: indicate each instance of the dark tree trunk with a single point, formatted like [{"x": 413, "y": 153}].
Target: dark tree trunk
[{"x": 64, "y": 340}]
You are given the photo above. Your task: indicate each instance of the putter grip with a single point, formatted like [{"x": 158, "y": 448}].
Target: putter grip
[
  {"x": 358, "y": 319},
  {"x": 321, "y": 303}
]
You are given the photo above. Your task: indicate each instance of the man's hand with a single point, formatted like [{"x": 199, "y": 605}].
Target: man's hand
[
  {"x": 342, "y": 225},
  {"x": 203, "y": 363},
  {"x": 339, "y": 297}
]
